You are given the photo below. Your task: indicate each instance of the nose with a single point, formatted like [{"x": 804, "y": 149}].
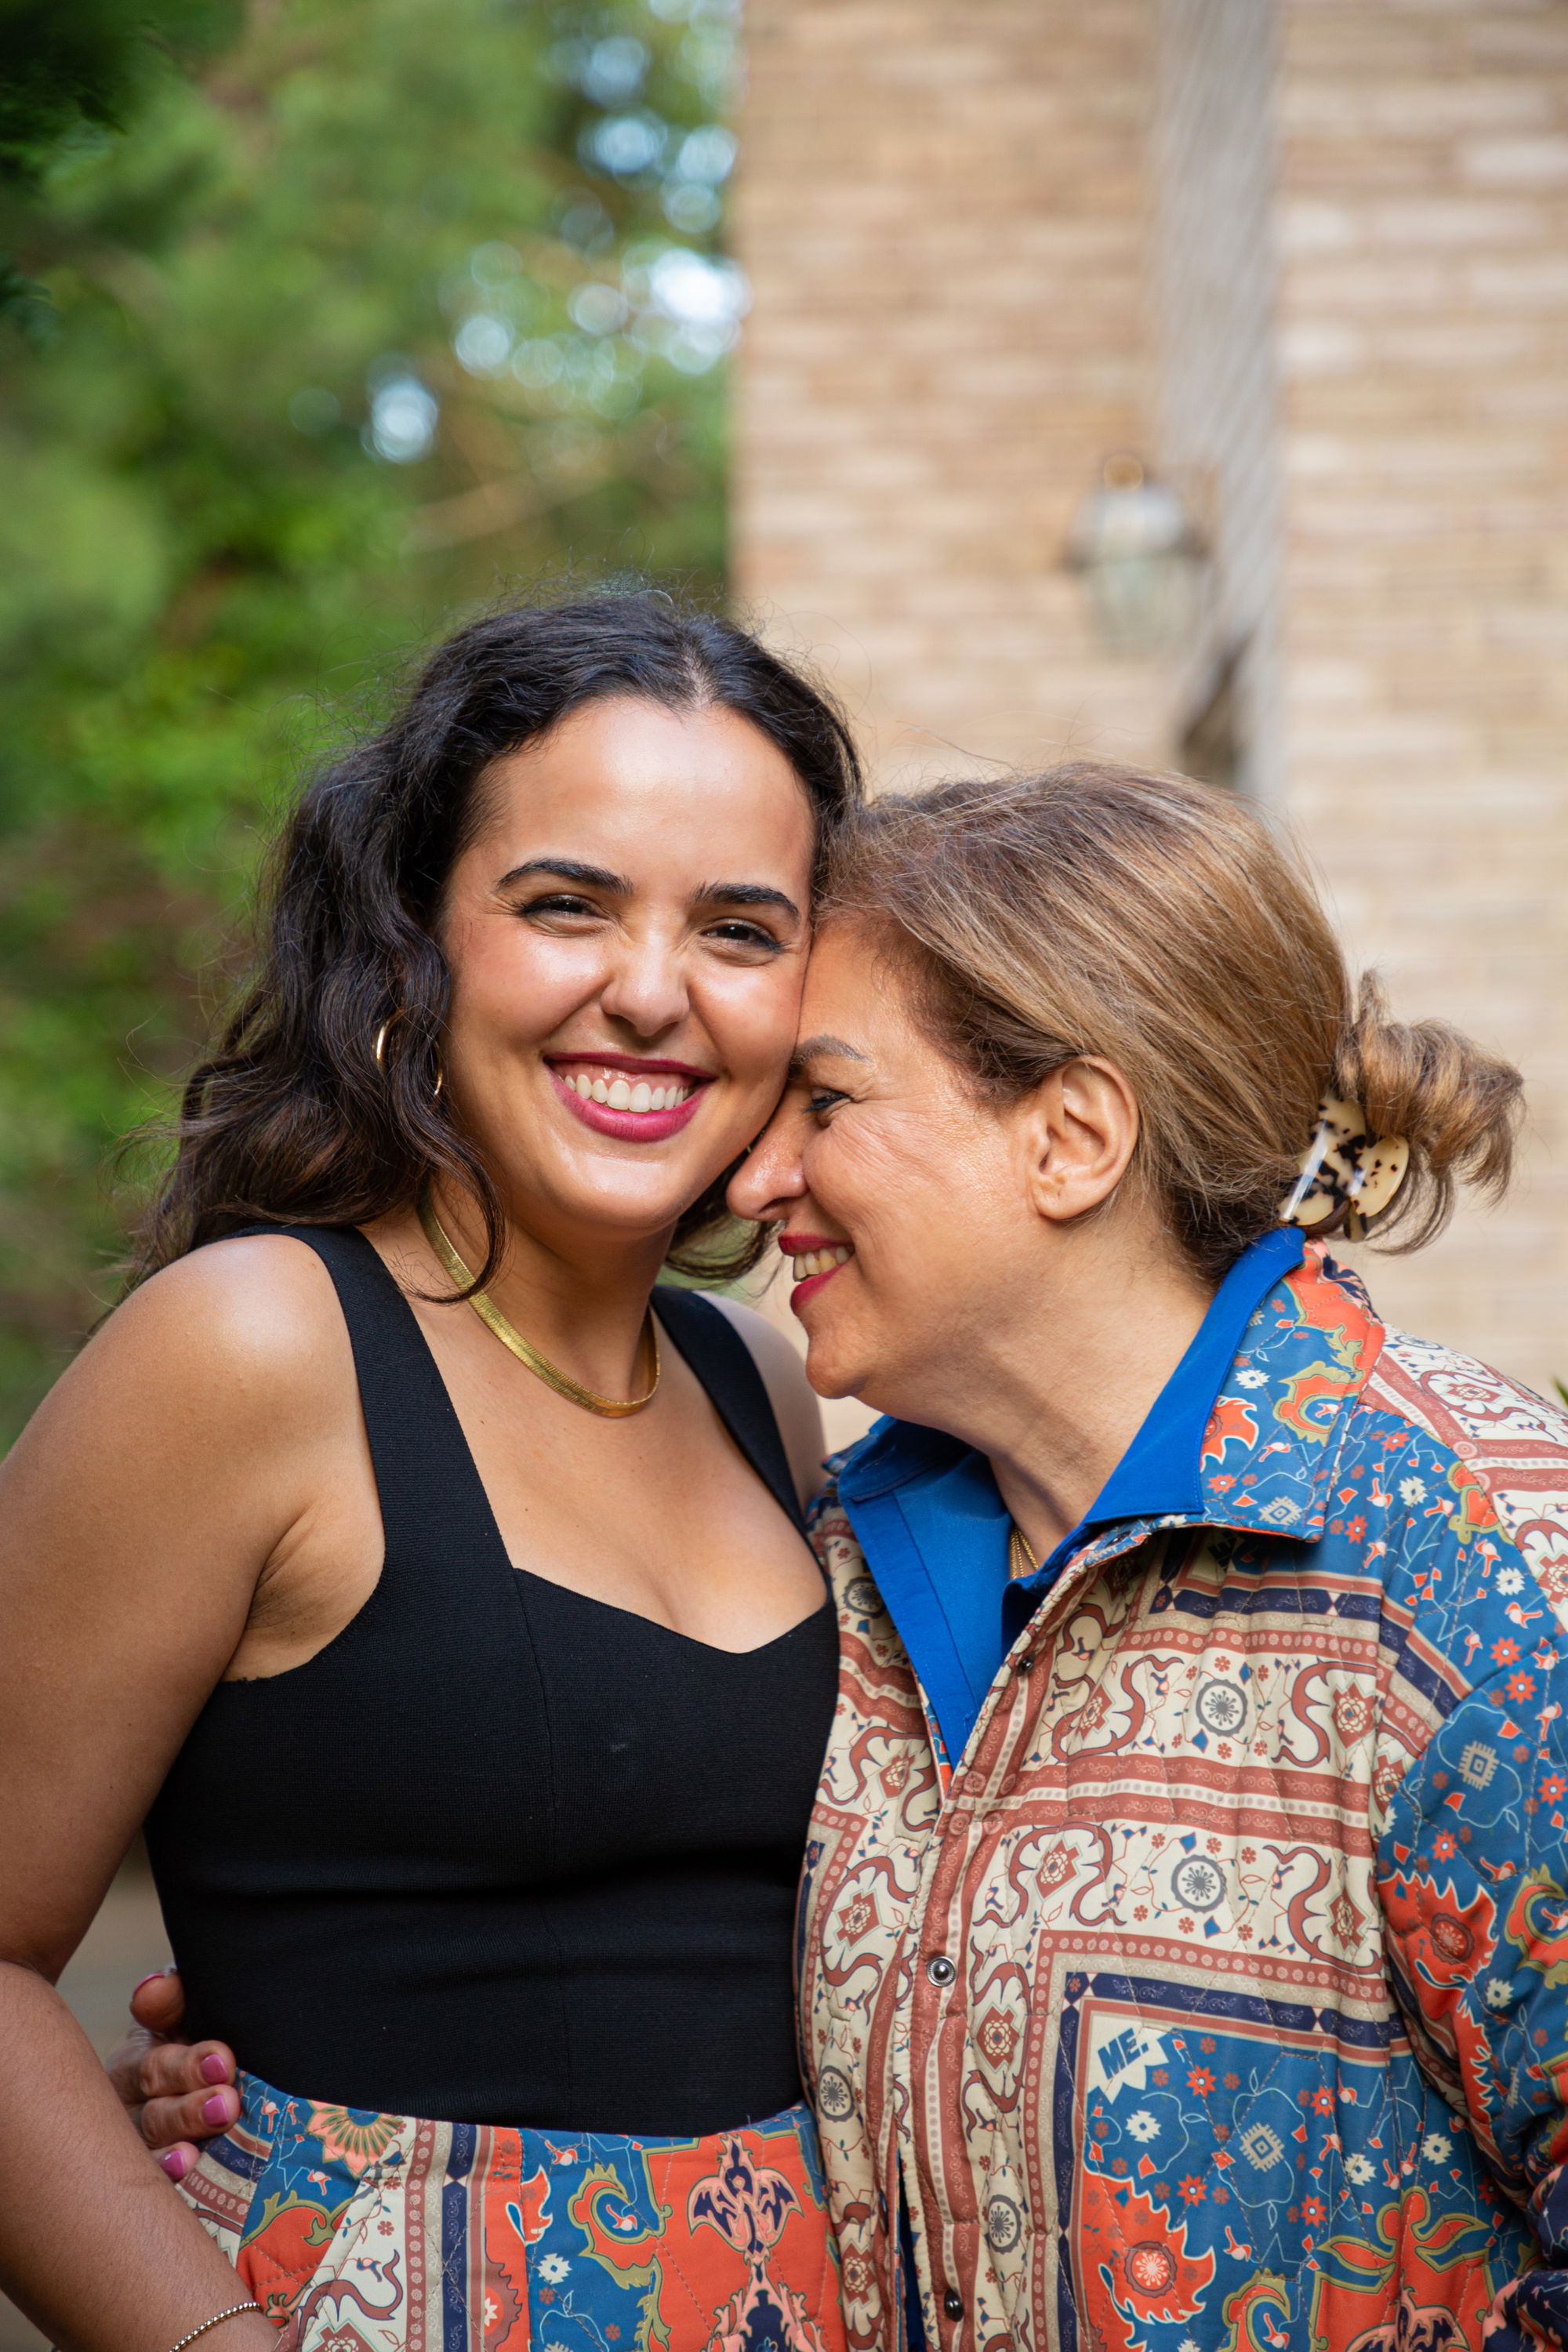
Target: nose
[
  {"x": 647, "y": 987},
  {"x": 772, "y": 1179}
]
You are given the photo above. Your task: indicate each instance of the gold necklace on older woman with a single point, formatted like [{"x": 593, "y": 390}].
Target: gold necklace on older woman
[
  {"x": 490, "y": 1316},
  {"x": 1021, "y": 1560}
]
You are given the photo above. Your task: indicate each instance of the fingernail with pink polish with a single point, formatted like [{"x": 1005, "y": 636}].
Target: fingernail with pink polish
[
  {"x": 215, "y": 2109},
  {"x": 176, "y": 2163},
  {"x": 214, "y": 2068}
]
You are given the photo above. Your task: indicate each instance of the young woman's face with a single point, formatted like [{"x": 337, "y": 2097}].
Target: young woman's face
[
  {"x": 903, "y": 1201},
  {"x": 628, "y": 938}
]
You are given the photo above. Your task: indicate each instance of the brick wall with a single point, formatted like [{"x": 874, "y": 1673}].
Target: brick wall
[
  {"x": 941, "y": 205},
  {"x": 1313, "y": 256},
  {"x": 1424, "y": 340}
]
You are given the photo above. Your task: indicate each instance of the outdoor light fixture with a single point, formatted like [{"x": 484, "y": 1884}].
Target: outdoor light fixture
[{"x": 1141, "y": 557}]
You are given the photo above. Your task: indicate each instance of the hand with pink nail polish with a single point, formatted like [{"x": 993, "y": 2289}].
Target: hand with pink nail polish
[{"x": 179, "y": 2091}]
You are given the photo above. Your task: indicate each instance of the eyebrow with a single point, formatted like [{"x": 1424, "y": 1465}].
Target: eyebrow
[
  {"x": 822, "y": 1048},
  {"x": 743, "y": 894},
  {"x": 599, "y": 877},
  {"x": 570, "y": 869}
]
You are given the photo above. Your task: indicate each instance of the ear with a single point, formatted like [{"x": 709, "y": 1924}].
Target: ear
[{"x": 1076, "y": 1134}]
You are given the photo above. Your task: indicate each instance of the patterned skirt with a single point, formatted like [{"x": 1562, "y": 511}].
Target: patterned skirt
[{"x": 360, "y": 2232}]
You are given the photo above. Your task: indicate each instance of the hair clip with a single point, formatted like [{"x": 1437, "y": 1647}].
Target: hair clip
[{"x": 1348, "y": 1175}]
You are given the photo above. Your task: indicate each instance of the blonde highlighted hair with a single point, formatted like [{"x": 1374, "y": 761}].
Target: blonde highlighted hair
[{"x": 1157, "y": 924}]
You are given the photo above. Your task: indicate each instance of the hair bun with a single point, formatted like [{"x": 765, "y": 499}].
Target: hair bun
[{"x": 1458, "y": 1108}]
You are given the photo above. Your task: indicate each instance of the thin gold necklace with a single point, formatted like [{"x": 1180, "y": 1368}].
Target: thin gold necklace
[
  {"x": 490, "y": 1316},
  {"x": 1021, "y": 1560}
]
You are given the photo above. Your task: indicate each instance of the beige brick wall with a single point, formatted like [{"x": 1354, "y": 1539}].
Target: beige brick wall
[
  {"x": 1313, "y": 255},
  {"x": 1423, "y": 338},
  {"x": 941, "y": 205}
]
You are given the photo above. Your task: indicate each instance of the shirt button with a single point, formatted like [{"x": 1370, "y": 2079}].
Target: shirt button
[
  {"x": 940, "y": 1968},
  {"x": 1025, "y": 1666},
  {"x": 953, "y": 2304}
]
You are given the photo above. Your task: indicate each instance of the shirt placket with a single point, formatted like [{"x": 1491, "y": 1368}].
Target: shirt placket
[{"x": 935, "y": 2173}]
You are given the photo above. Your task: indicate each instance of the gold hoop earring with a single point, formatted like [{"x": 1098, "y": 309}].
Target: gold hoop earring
[{"x": 379, "y": 1050}]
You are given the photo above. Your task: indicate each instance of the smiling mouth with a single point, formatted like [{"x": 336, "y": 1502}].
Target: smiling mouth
[
  {"x": 638, "y": 1091},
  {"x": 610, "y": 1088},
  {"x": 803, "y": 1264},
  {"x": 811, "y": 1256}
]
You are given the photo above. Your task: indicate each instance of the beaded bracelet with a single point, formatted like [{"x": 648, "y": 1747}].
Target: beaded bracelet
[{"x": 217, "y": 2318}]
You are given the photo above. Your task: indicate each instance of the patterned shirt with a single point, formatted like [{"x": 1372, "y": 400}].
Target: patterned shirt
[{"x": 1215, "y": 1996}]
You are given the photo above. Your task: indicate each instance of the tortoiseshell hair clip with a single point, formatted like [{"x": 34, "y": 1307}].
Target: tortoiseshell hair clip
[{"x": 1348, "y": 1175}]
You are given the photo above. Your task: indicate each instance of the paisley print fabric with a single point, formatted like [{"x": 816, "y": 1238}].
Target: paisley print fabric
[
  {"x": 360, "y": 2232},
  {"x": 1215, "y": 1998}
]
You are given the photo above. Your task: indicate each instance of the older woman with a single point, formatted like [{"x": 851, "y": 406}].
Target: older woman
[{"x": 1184, "y": 1930}]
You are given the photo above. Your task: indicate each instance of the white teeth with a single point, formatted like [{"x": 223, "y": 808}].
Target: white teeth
[
  {"x": 620, "y": 1094},
  {"x": 821, "y": 1261}
]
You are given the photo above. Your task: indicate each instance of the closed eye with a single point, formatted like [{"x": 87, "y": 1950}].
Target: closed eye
[
  {"x": 738, "y": 934},
  {"x": 821, "y": 1100},
  {"x": 560, "y": 902}
]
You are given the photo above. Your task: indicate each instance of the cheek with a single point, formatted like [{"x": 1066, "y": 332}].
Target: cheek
[
  {"x": 921, "y": 1198},
  {"x": 753, "y": 1019},
  {"x": 510, "y": 986}
]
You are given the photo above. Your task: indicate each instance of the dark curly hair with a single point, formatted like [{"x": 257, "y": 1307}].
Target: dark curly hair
[{"x": 292, "y": 1119}]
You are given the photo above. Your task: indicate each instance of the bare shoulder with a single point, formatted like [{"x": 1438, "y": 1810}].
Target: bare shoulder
[
  {"x": 245, "y": 1330},
  {"x": 790, "y": 1395}
]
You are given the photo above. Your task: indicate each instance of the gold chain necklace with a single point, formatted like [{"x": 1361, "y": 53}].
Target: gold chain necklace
[
  {"x": 490, "y": 1316},
  {"x": 1021, "y": 1560}
]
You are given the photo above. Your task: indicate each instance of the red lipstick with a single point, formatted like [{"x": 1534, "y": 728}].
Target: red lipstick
[{"x": 629, "y": 1126}]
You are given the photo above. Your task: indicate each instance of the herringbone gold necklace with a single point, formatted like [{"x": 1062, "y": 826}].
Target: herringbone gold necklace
[{"x": 539, "y": 1365}]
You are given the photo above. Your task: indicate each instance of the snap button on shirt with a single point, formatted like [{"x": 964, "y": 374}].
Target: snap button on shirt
[
  {"x": 953, "y": 2304},
  {"x": 941, "y": 1970}
]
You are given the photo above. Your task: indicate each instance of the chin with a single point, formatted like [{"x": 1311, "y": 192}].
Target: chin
[{"x": 834, "y": 1370}]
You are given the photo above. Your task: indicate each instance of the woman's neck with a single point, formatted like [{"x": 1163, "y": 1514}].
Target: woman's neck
[
  {"x": 581, "y": 1300},
  {"x": 1062, "y": 1399}
]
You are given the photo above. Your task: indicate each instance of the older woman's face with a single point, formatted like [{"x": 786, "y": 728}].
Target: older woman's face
[{"x": 904, "y": 1202}]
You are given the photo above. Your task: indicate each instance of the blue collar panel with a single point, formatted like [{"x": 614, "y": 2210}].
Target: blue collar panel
[{"x": 925, "y": 1508}]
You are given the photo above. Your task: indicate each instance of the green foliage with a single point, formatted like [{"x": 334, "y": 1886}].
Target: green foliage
[
  {"x": 64, "y": 63},
  {"x": 392, "y": 309},
  {"x": 71, "y": 66}
]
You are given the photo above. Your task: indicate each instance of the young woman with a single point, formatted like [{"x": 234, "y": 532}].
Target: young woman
[
  {"x": 431, "y": 1585},
  {"x": 1184, "y": 1915}
]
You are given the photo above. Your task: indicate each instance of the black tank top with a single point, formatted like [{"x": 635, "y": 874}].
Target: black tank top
[{"x": 500, "y": 1853}]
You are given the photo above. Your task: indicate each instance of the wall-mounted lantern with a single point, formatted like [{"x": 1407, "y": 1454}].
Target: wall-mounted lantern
[{"x": 1141, "y": 557}]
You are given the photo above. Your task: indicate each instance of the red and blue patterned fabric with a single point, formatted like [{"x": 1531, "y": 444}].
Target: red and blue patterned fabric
[
  {"x": 1214, "y": 1996},
  {"x": 363, "y": 2233}
]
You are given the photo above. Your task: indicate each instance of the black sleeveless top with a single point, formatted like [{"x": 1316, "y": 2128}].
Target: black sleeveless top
[{"x": 501, "y": 1853}]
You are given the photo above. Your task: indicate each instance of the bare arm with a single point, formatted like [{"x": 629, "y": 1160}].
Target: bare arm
[
  {"x": 138, "y": 1513},
  {"x": 790, "y": 1395}
]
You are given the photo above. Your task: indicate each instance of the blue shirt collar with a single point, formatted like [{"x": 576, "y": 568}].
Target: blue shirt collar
[
  {"x": 934, "y": 1530},
  {"x": 1160, "y": 1475}
]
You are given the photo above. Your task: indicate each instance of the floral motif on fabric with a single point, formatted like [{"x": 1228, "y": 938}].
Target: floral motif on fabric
[{"x": 360, "y": 2232}]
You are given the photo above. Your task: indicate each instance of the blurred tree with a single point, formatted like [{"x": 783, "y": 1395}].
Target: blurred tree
[
  {"x": 393, "y": 308},
  {"x": 68, "y": 64}
]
